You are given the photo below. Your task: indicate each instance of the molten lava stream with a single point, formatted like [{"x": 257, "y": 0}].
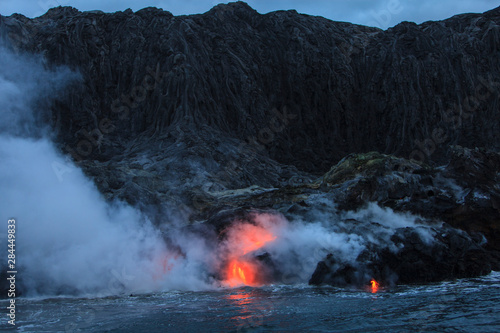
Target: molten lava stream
[
  {"x": 375, "y": 286},
  {"x": 240, "y": 273}
]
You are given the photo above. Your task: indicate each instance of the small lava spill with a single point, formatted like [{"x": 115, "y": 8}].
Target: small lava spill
[{"x": 374, "y": 285}]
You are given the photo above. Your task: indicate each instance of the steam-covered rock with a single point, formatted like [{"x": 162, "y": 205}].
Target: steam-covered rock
[
  {"x": 411, "y": 258},
  {"x": 464, "y": 193}
]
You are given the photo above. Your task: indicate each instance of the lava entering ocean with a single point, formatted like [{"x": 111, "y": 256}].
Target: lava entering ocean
[
  {"x": 241, "y": 272},
  {"x": 374, "y": 285},
  {"x": 242, "y": 268}
]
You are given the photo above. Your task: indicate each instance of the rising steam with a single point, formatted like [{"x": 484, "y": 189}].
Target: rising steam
[{"x": 69, "y": 240}]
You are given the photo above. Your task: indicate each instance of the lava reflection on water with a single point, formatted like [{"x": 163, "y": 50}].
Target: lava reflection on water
[{"x": 255, "y": 307}]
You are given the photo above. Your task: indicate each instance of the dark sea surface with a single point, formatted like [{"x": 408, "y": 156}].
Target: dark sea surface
[{"x": 467, "y": 305}]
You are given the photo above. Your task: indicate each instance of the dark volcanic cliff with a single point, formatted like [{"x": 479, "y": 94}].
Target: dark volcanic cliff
[
  {"x": 206, "y": 114},
  {"x": 232, "y": 98},
  {"x": 349, "y": 88}
]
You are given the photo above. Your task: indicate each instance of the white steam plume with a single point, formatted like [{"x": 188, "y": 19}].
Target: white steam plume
[{"x": 68, "y": 239}]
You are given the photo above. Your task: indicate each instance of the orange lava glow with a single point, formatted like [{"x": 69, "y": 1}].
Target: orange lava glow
[
  {"x": 242, "y": 240},
  {"x": 241, "y": 272},
  {"x": 250, "y": 237},
  {"x": 375, "y": 286}
]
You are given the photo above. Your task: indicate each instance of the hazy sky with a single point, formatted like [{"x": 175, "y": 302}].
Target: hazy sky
[{"x": 379, "y": 13}]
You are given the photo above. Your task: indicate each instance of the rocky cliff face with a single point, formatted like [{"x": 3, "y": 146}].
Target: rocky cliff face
[
  {"x": 233, "y": 109},
  {"x": 346, "y": 88}
]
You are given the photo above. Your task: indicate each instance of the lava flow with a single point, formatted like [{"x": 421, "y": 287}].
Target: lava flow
[
  {"x": 242, "y": 240},
  {"x": 241, "y": 273},
  {"x": 375, "y": 286}
]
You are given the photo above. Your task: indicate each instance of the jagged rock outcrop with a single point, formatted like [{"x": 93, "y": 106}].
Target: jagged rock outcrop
[
  {"x": 464, "y": 193},
  {"x": 451, "y": 254}
]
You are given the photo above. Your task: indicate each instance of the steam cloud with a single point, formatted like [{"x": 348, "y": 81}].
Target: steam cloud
[{"x": 69, "y": 240}]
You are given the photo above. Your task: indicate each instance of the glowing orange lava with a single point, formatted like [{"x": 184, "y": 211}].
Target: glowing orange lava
[
  {"x": 249, "y": 238},
  {"x": 241, "y": 272},
  {"x": 242, "y": 240},
  {"x": 375, "y": 286}
]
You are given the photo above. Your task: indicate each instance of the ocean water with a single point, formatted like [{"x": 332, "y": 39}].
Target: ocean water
[{"x": 466, "y": 305}]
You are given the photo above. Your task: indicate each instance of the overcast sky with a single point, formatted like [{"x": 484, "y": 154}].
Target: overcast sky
[{"x": 379, "y": 13}]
